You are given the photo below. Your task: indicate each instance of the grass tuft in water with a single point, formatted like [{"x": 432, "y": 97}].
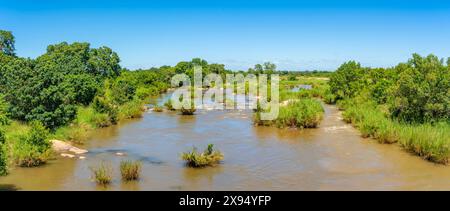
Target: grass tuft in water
[
  {"x": 102, "y": 174},
  {"x": 157, "y": 108},
  {"x": 130, "y": 170},
  {"x": 209, "y": 157}
]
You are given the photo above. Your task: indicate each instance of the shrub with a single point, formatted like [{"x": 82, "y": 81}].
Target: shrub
[
  {"x": 304, "y": 113},
  {"x": 103, "y": 106},
  {"x": 102, "y": 174},
  {"x": 421, "y": 93},
  {"x": 347, "y": 80},
  {"x": 209, "y": 157},
  {"x": 123, "y": 91},
  {"x": 33, "y": 148},
  {"x": 169, "y": 105},
  {"x": 157, "y": 108},
  {"x": 130, "y": 170},
  {"x": 329, "y": 98},
  {"x": 133, "y": 109}
]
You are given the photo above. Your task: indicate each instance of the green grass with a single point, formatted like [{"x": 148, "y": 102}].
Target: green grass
[
  {"x": 131, "y": 110},
  {"x": 209, "y": 157},
  {"x": 431, "y": 142},
  {"x": 102, "y": 174},
  {"x": 130, "y": 170},
  {"x": 87, "y": 115},
  {"x": 77, "y": 133}
]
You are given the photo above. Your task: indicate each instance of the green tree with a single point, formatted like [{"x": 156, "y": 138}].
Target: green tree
[
  {"x": 269, "y": 68},
  {"x": 422, "y": 92},
  {"x": 82, "y": 87},
  {"x": 104, "y": 62},
  {"x": 7, "y": 42},
  {"x": 49, "y": 88},
  {"x": 347, "y": 80}
]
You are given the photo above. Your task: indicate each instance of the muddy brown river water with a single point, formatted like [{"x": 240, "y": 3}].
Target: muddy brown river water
[{"x": 331, "y": 157}]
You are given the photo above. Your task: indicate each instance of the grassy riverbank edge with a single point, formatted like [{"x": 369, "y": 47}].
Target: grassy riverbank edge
[{"x": 429, "y": 141}]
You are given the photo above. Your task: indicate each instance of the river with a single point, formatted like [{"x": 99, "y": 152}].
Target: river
[{"x": 331, "y": 157}]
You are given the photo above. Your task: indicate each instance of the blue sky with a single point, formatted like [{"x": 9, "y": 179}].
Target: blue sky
[{"x": 296, "y": 35}]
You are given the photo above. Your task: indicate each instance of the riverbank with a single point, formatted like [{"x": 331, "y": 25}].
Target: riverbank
[{"x": 429, "y": 141}]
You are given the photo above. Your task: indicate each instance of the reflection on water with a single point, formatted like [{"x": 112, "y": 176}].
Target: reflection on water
[{"x": 332, "y": 157}]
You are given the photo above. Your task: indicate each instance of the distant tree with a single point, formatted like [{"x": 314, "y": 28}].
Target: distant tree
[
  {"x": 269, "y": 68},
  {"x": 217, "y": 68},
  {"x": 347, "y": 80},
  {"x": 259, "y": 69},
  {"x": 7, "y": 42},
  {"x": 182, "y": 67}
]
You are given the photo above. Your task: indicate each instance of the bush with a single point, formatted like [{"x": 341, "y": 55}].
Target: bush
[
  {"x": 304, "y": 113},
  {"x": 32, "y": 148},
  {"x": 130, "y": 170},
  {"x": 122, "y": 91},
  {"x": 157, "y": 108},
  {"x": 133, "y": 109},
  {"x": 422, "y": 92},
  {"x": 169, "y": 105},
  {"x": 347, "y": 80},
  {"x": 209, "y": 157},
  {"x": 329, "y": 98},
  {"x": 103, "y": 106},
  {"x": 102, "y": 174}
]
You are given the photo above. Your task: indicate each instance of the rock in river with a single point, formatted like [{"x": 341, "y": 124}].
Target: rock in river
[{"x": 61, "y": 146}]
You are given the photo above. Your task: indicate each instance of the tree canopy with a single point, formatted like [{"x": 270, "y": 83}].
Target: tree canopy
[{"x": 7, "y": 42}]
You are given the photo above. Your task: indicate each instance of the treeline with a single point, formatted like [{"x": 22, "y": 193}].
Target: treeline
[
  {"x": 407, "y": 104},
  {"x": 292, "y": 75}
]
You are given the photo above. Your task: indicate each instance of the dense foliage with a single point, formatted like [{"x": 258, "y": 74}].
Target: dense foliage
[
  {"x": 416, "y": 91},
  {"x": 408, "y": 104},
  {"x": 7, "y": 42}
]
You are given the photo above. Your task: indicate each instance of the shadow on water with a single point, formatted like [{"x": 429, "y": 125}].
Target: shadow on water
[
  {"x": 8, "y": 187},
  {"x": 127, "y": 155}
]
